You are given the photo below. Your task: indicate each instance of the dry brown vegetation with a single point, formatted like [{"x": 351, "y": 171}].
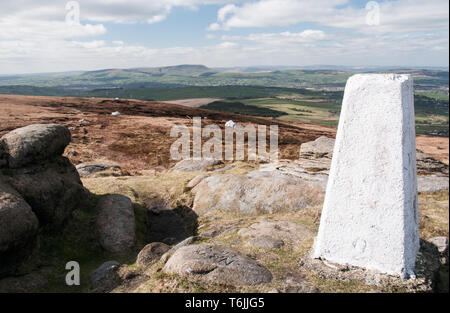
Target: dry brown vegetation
[{"x": 139, "y": 138}]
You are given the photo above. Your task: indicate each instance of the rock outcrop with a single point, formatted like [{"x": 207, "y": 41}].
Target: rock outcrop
[
  {"x": 18, "y": 229},
  {"x": 322, "y": 147},
  {"x": 39, "y": 189},
  {"x": 258, "y": 192},
  {"x": 34, "y": 143},
  {"x": 218, "y": 264},
  {"x": 52, "y": 188},
  {"x": 116, "y": 224}
]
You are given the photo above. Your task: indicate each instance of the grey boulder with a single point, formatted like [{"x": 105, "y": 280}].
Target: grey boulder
[
  {"x": 115, "y": 222},
  {"x": 34, "y": 143},
  {"x": 322, "y": 147},
  {"x": 217, "y": 264},
  {"x": 258, "y": 192},
  {"x": 151, "y": 253},
  {"x": 106, "y": 277}
]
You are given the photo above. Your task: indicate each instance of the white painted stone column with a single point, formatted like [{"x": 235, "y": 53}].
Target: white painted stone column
[{"x": 370, "y": 214}]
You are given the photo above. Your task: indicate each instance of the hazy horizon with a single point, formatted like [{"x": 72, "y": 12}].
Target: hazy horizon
[{"x": 256, "y": 67}]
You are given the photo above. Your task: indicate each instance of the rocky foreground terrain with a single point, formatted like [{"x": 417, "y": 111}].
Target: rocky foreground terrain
[{"x": 78, "y": 184}]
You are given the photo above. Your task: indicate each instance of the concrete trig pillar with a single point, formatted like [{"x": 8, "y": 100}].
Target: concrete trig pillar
[{"x": 370, "y": 213}]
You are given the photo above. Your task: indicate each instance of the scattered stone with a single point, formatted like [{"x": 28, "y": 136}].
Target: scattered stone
[
  {"x": 217, "y": 264},
  {"x": 34, "y": 143},
  {"x": 266, "y": 242},
  {"x": 279, "y": 230},
  {"x": 427, "y": 165},
  {"x": 258, "y": 192},
  {"x": 106, "y": 277},
  {"x": 196, "y": 180},
  {"x": 322, "y": 147},
  {"x": 116, "y": 223},
  {"x": 195, "y": 165},
  {"x": 18, "y": 229},
  {"x": 84, "y": 122},
  {"x": 432, "y": 183},
  {"x": 86, "y": 169},
  {"x": 151, "y": 253},
  {"x": 442, "y": 245}
]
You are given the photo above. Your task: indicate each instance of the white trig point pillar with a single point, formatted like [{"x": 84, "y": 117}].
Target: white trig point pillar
[{"x": 370, "y": 214}]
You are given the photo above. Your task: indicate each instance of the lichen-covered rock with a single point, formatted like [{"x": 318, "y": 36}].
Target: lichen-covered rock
[
  {"x": 116, "y": 224},
  {"x": 218, "y": 264},
  {"x": 194, "y": 165},
  {"x": 258, "y": 192},
  {"x": 33, "y": 143},
  {"x": 18, "y": 228},
  {"x": 53, "y": 190},
  {"x": 151, "y": 253},
  {"x": 106, "y": 277}
]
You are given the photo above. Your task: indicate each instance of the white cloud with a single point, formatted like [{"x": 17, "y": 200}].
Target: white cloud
[
  {"x": 35, "y": 38},
  {"x": 305, "y": 36},
  {"x": 395, "y": 16}
]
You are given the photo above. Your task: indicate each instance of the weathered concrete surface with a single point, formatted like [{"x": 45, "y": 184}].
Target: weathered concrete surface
[{"x": 370, "y": 213}]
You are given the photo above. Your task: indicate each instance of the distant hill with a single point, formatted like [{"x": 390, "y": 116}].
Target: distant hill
[{"x": 327, "y": 78}]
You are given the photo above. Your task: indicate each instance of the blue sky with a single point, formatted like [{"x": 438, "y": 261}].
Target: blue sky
[{"x": 56, "y": 35}]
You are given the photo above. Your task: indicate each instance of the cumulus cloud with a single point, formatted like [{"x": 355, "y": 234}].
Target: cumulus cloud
[
  {"x": 34, "y": 36},
  {"x": 395, "y": 16}
]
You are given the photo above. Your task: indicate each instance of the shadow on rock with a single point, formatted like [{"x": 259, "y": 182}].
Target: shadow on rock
[{"x": 169, "y": 225}]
